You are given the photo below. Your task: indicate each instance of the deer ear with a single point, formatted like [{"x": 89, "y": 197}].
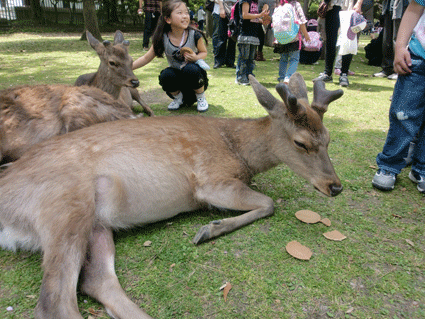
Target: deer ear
[
  {"x": 266, "y": 99},
  {"x": 295, "y": 109},
  {"x": 119, "y": 37},
  {"x": 94, "y": 43},
  {"x": 322, "y": 97},
  {"x": 297, "y": 86}
]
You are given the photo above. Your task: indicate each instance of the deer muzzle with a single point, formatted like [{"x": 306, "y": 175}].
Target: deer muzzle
[{"x": 135, "y": 83}]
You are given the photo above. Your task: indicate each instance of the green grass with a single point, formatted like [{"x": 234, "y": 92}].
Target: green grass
[{"x": 374, "y": 273}]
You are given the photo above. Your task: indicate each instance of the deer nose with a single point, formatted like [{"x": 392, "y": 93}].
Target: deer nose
[
  {"x": 335, "y": 189},
  {"x": 135, "y": 83}
]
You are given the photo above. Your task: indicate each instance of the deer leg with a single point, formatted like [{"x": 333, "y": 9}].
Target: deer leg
[
  {"x": 58, "y": 295},
  {"x": 136, "y": 96},
  {"x": 235, "y": 196},
  {"x": 100, "y": 281}
]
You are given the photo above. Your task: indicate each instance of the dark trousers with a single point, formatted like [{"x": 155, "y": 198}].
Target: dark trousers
[
  {"x": 151, "y": 20},
  {"x": 390, "y": 29},
  {"x": 332, "y": 25},
  {"x": 186, "y": 80},
  {"x": 224, "y": 48}
]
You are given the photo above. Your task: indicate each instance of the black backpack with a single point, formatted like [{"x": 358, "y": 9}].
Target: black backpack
[{"x": 234, "y": 27}]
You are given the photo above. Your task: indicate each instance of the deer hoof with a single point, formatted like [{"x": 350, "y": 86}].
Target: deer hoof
[{"x": 203, "y": 234}]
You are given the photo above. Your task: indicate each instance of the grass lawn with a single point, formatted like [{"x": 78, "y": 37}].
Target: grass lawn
[{"x": 377, "y": 272}]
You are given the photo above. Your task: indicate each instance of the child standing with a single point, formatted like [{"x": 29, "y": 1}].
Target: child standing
[
  {"x": 290, "y": 52},
  {"x": 407, "y": 111},
  {"x": 248, "y": 39},
  {"x": 184, "y": 80}
]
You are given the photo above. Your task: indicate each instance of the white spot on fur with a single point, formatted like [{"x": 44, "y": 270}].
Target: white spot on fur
[
  {"x": 12, "y": 239},
  {"x": 401, "y": 116}
]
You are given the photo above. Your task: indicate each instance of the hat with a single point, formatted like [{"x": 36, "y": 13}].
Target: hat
[{"x": 357, "y": 24}]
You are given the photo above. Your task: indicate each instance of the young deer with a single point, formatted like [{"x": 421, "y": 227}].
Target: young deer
[
  {"x": 65, "y": 195},
  {"x": 31, "y": 114},
  {"x": 115, "y": 73}
]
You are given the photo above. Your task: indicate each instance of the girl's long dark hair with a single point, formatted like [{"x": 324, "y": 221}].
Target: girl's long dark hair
[{"x": 163, "y": 27}]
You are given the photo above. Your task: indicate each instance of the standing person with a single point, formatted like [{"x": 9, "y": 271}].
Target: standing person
[
  {"x": 290, "y": 52},
  {"x": 152, "y": 10},
  {"x": 392, "y": 11},
  {"x": 407, "y": 111},
  {"x": 248, "y": 39},
  {"x": 271, "y": 5},
  {"x": 184, "y": 80},
  {"x": 201, "y": 18},
  {"x": 332, "y": 24},
  {"x": 224, "y": 48}
]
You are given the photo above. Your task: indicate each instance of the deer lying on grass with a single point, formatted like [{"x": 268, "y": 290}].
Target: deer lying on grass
[
  {"x": 115, "y": 73},
  {"x": 65, "y": 195},
  {"x": 31, "y": 114}
]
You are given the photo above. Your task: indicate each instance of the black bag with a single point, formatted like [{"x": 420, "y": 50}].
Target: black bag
[
  {"x": 322, "y": 10},
  {"x": 209, "y": 5},
  {"x": 234, "y": 27}
]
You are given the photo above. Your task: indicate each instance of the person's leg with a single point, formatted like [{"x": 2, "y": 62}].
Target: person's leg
[
  {"x": 294, "y": 59},
  {"x": 251, "y": 59},
  {"x": 345, "y": 65},
  {"x": 387, "y": 46},
  {"x": 220, "y": 52},
  {"x": 170, "y": 80},
  {"x": 261, "y": 36},
  {"x": 147, "y": 32},
  {"x": 332, "y": 24},
  {"x": 242, "y": 66},
  {"x": 406, "y": 121},
  {"x": 215, "y": 34},
  {"x": 195, "y": 79},
  {"x": 283, "y": 65}
]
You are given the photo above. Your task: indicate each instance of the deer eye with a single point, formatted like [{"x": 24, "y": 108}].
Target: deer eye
[
  {"x": 112, "y": 63},
  {"x": 301, "y": 145}
]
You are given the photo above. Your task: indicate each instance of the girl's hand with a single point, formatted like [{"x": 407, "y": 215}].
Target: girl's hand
[
  {"x": 264, "y": 13},
  {"x": 402, "y": 61},
  {"x": 190, "y": 57}
]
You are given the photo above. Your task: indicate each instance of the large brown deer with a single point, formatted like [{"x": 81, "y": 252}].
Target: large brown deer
[
  {"x": 65, "y": 195},
  {"x": 31, "y": 114},
  {"x": 115, "y": 73}
]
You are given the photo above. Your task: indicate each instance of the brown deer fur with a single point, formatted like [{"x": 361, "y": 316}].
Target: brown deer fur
[
  {"x": 115, "y": 73},
  {"x": 65, "y": 195},
  {"x": 31, "y": 114}
]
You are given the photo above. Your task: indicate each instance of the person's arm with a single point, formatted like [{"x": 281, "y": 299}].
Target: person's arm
[
  {"x": 411, "y": 16},
  {"x": 140, "y": 11},
  {"x": 304, "y": 32},
  {"x": 358, "y": 6},
  {"x": 249, "y": 16},
  {"x": 222, "y": 11},
  {"x": 202, "y": 52},
  {"x": 145, "y": 59}
]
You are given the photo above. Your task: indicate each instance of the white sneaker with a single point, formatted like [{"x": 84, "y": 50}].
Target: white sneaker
[
  {"x": 202, "y": 105},
  {"x": 176, "y": 103}
]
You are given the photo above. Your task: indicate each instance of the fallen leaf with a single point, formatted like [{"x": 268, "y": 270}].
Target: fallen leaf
[
  {"x": 326, "y": 221},
  {"x": 397, "y": 216},
  {"x": 307, "y": 216},
  {"x": 334, "y": 235},
  {"x": 171, "y": 267},
  {"x": 92, "y": 311},
  {"x": 349, "y": 310},
  {"x": 147, "y": 243},
  {"x": 226, "y": 288},
  {"x": 373, "y": 167},
  {"x": 410, "y": 242},
  {"x": 295, "y": 249}
]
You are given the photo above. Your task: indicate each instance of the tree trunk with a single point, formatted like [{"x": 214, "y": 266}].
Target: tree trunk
[
  {"x": 37, "y": 11},
  {"x": 90, "y": 20}
]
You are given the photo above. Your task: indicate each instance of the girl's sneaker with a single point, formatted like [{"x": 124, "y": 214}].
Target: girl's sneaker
[
  {"x": 418, "y": 179},
  {"x": 384, "y": 180},
  {"x": 202, "y": 104},
  {"x": 176, "y": 103}
]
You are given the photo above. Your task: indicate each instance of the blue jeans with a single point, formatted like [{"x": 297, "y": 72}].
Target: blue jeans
[
  {"x": 246, "y": 62},
  {"x": 407, "y": 122},
  {"x": 288, "y": 64}
]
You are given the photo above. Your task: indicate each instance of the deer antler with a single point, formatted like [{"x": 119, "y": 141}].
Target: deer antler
[
  {"x": 295, "y": 109},
  {"x": 322, "y": 97}
]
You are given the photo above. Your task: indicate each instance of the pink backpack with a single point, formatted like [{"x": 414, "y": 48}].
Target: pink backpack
[{"x": 315, "y": 43}]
